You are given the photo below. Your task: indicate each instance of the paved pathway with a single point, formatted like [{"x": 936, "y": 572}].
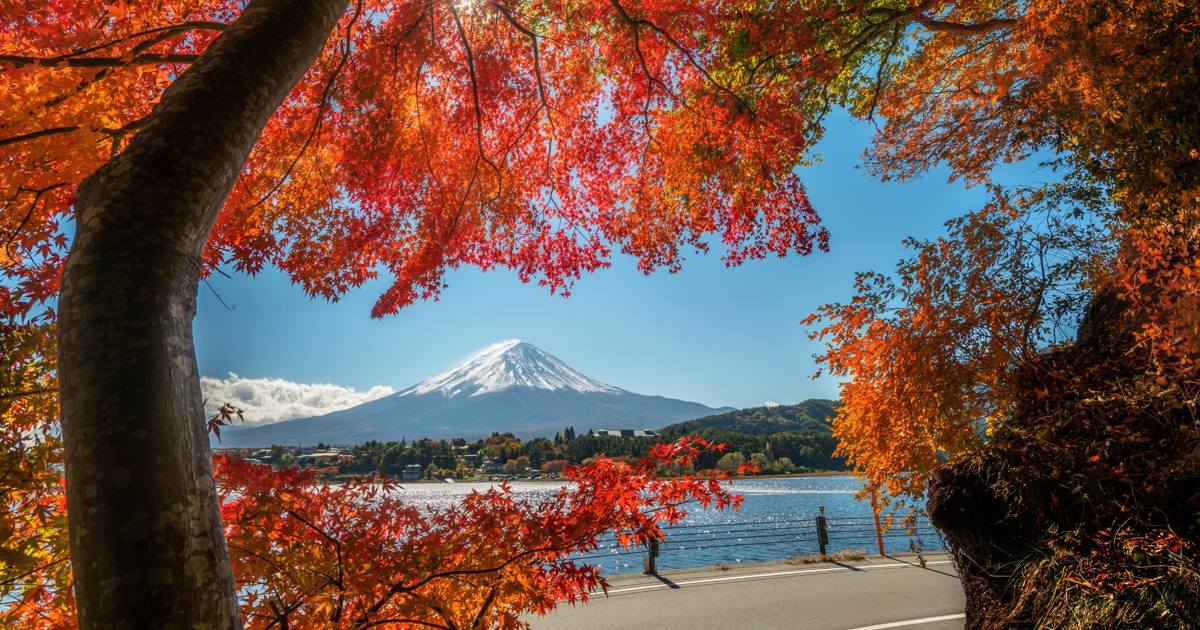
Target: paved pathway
[{"x": 874, "y": 594}]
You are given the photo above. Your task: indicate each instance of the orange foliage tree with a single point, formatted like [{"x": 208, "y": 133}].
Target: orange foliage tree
[
  {"x": 928, "y": 353},
  {"x": 1100, "y": 91},
  {"x": 1033, "y": 372}
]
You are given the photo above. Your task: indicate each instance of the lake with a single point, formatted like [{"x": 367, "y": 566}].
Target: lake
[{"x": 777, "y": 521}]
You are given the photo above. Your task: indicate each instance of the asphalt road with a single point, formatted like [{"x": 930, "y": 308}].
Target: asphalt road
[{"x": 875, "y": 594}]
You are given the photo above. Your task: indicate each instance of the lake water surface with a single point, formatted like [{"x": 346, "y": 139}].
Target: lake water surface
[{"x": 776, "y": 521}]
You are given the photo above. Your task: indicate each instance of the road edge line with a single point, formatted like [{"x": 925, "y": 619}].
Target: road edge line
[{"x": 911, "y": 622}]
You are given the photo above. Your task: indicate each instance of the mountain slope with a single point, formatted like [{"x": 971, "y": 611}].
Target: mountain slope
[
  {"x": 811, "y": 415},
  {"x": 510, "y": 386}
]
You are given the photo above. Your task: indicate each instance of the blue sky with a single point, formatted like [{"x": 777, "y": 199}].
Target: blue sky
[{"x": 707, "y": 333}]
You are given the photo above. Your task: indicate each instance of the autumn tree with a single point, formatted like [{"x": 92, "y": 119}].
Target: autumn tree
[
  {"x": 929, "y": 349},
  {"x": 1033, "y": 371},
  {"x": 338, "y": 141}
]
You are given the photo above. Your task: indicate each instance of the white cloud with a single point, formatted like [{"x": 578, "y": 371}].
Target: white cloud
[{"x": 267, "y": 400}]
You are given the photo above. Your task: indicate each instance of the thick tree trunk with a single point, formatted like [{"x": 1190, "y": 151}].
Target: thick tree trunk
[{"x": 147, "y": 548}]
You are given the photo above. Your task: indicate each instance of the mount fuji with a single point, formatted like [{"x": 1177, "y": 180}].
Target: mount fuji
[{"x": 509, "y": 386}]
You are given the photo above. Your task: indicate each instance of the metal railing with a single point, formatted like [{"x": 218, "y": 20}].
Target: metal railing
[{"x": 820, "y": 535}]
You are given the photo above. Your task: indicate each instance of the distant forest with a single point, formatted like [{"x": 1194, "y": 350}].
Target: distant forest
[
  {"x": 780, "y": 439},
  {"x": 800, "y": 433},
  {"x": 811, "y": 415}
]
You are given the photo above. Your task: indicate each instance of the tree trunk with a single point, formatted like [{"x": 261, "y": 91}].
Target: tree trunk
[{"x": 147, "y": 548}]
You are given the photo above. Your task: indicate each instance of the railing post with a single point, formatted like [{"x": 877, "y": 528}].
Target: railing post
[
  {"x": 651, "y": 565},
  {"x": 822, "y": 531},
  {"x": 878, "y": 529}
]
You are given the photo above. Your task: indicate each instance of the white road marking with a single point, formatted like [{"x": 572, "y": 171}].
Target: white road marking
[
  {"x": 753, "y": 576},
  {"x": 911, "y": 622}
]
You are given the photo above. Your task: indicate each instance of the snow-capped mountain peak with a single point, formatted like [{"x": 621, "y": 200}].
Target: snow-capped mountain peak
[
  {"x": 512, "y": 363},
  {"x": 509, "y": 386}
]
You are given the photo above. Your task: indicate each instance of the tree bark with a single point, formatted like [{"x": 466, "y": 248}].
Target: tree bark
[{"x": 147, "y": 546}]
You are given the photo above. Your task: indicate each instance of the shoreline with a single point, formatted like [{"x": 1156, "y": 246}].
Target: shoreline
[{"x": 515, "y": 480}]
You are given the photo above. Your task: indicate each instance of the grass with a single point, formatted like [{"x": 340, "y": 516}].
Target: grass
[
  {"x": 1154, "y": 590},
  {"x": 841, "y": 556}
]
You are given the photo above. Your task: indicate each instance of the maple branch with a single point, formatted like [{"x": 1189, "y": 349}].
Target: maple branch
[
  {"x": 314, "y": 133},
  {"x": 494, "y": 569},
  {"x": 872, "y": 29},
  {"x": 78, "y": 89},
  {"x": 437, "y": 183},
  {"x": 897, "y": 31},
  {"x": 219, "y": 299},
  {"x": 169, "y": 31},
  {"x": 28, "y": 392},
  {"x": 137, "y": 55},
  {"x": 269, "y": 561},
  {"x": 487, "y": 603},
  {"x": 37, "y": 196},
  {"x": 15, "y": 580},
  {"x": 462, "y": 36},
  {"x": 161, "y": 37},
  {"x": 166, "y": 32},
  {"x": 41, "y": 133},
  {"x": 119, "y": 133},
  {"x": 537, "y": 73},
  {"x": 635, "y": 22},
  {"x": 400, "y": 587},
  {"x": 917, "y": 14},
  {"x": 441, "y": 610},
  {"x": 975, "y": 28},
  {"x": 18, "y": 61},
  {"x": 537, "y": 64},
  {"x": 1027, "y": 331},
  {"x": 650, "y": 76},
  {"x": 637, "y": 45},
  {"x": 124, "y": 129},
  {"x": 281, "y": 616},
  {"x": 337, "y": 545},
  {"x": 651, "y": 79},
  {"x": 381, "y": 622},
  {"x": 33, "y": 135}
]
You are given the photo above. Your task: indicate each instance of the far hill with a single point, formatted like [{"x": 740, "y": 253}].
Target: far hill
[{"x": 811, "y": 415}]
